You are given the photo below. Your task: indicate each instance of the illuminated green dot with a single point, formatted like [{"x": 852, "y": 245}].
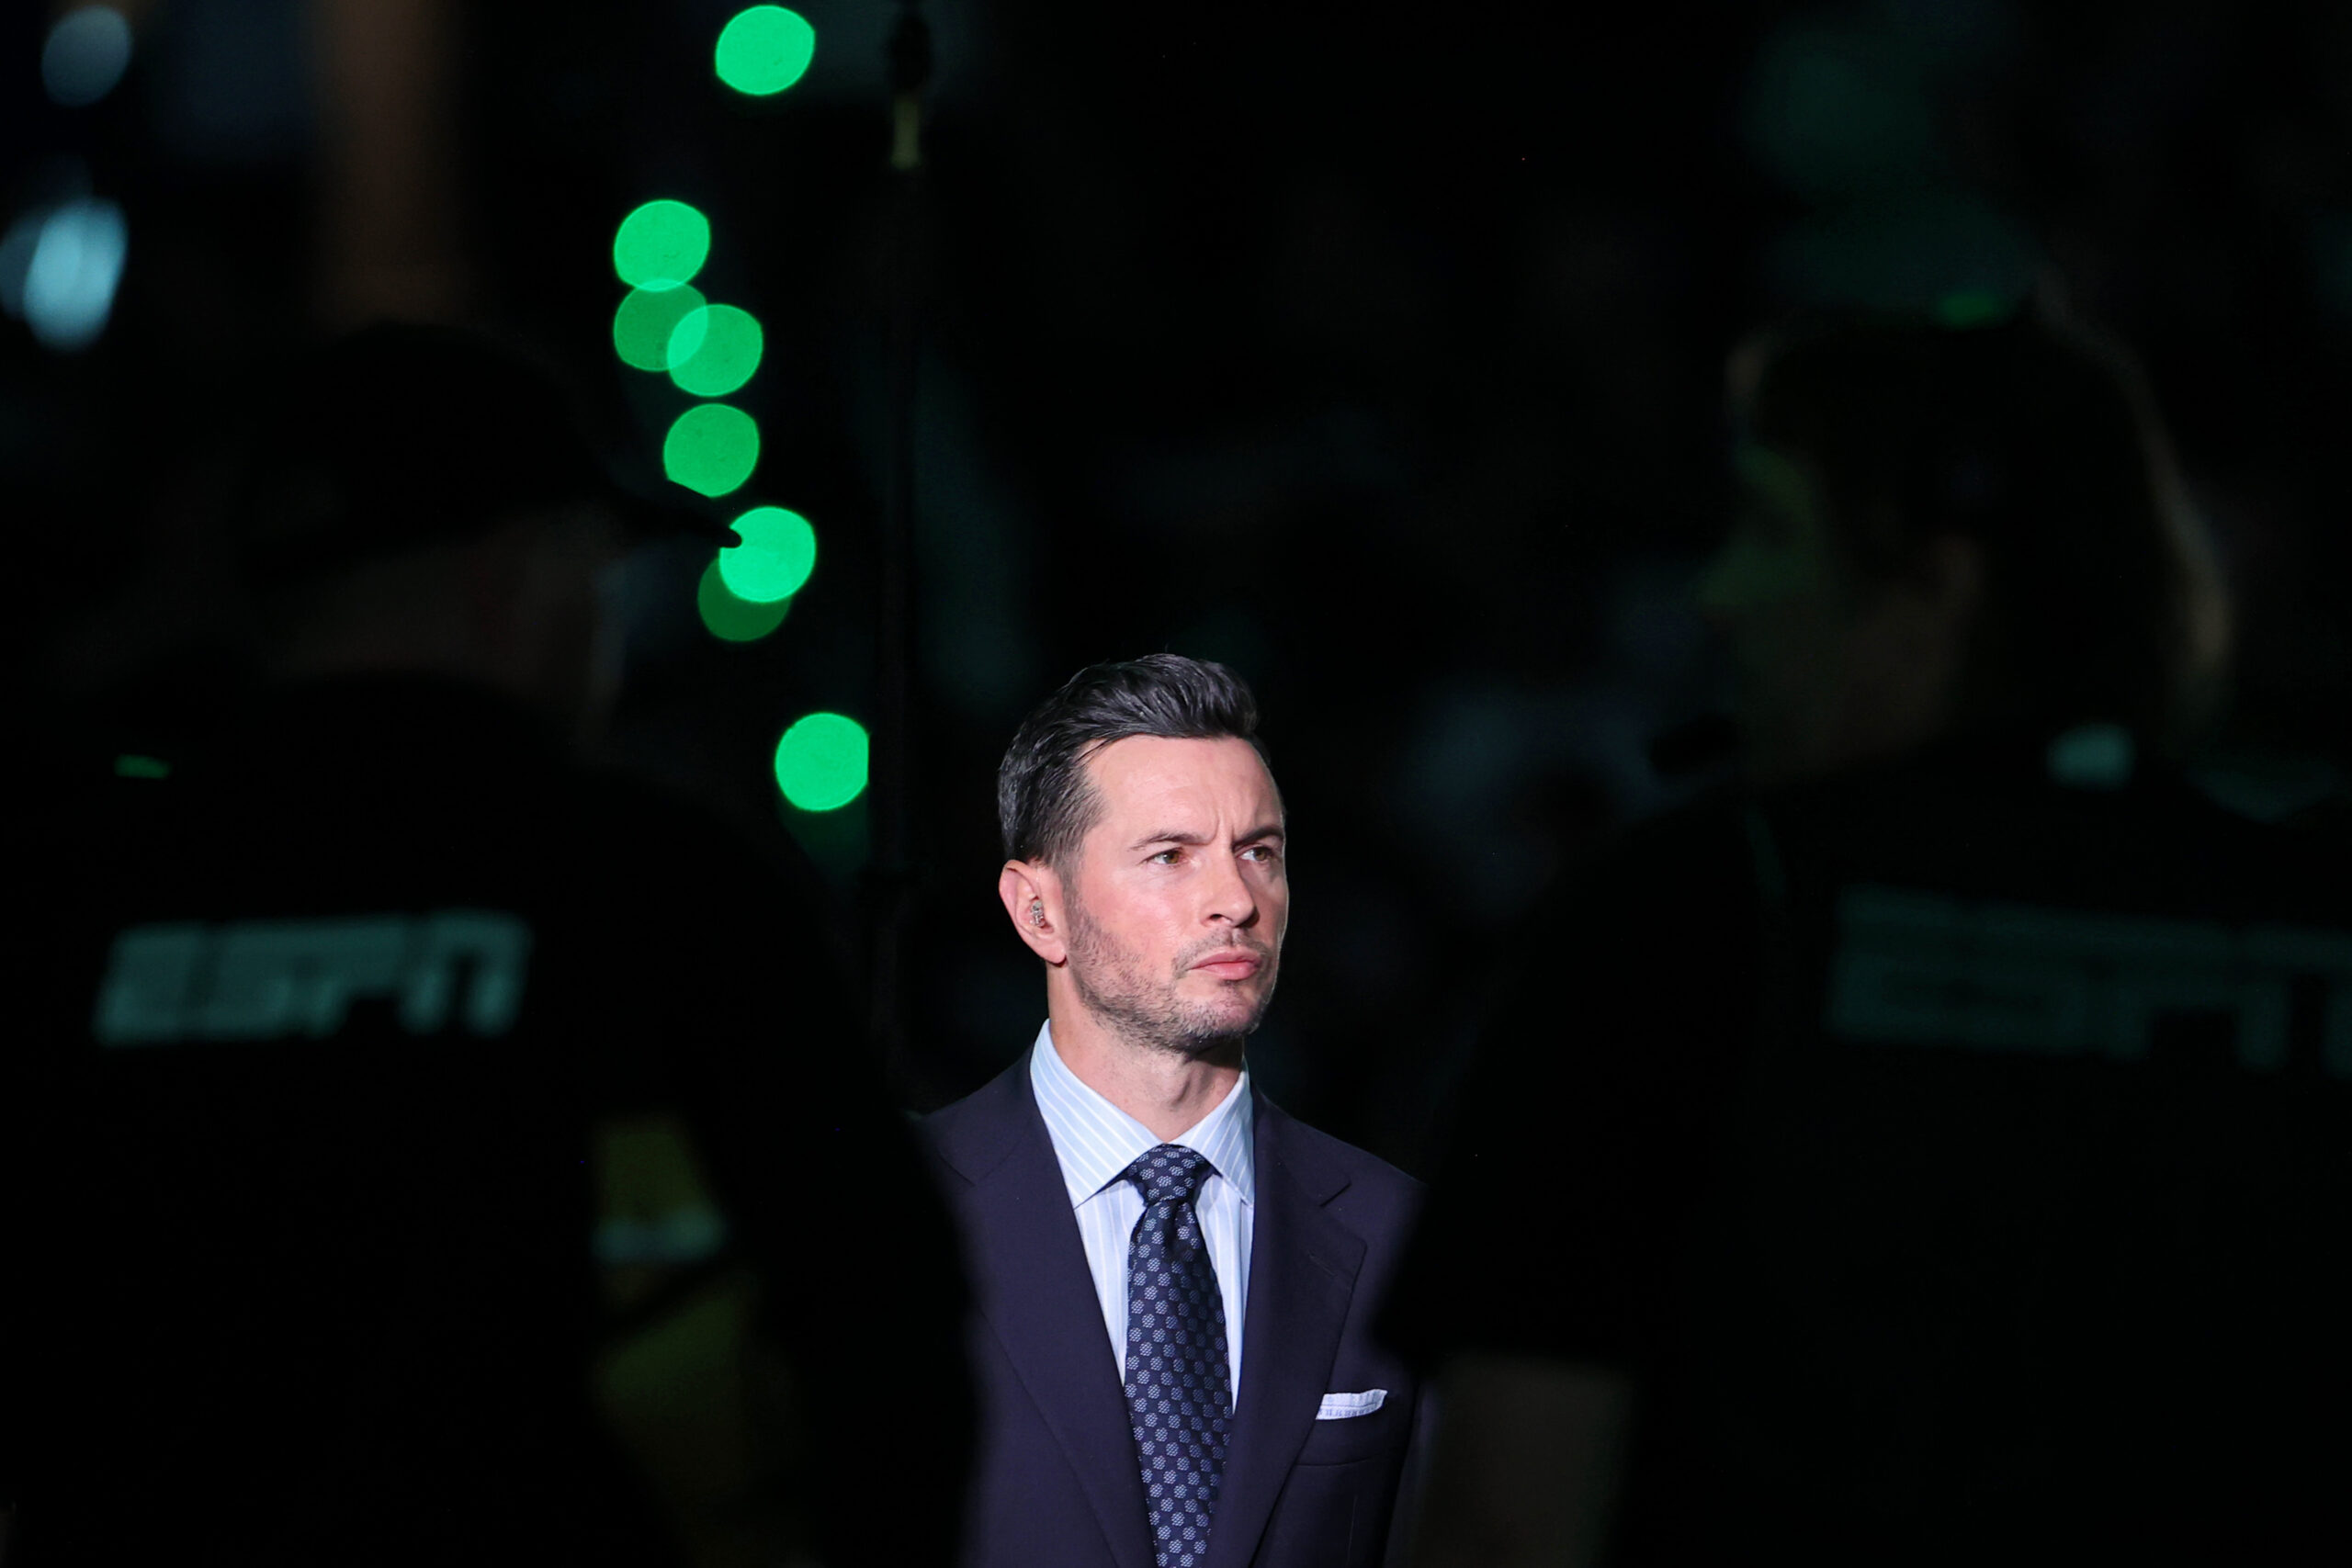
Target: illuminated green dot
[
  {"x": 778, "y": 552},
  {"x": 648, "y": 322},
  {"x": 131, "y": 765},
  {"x": 731, "y": 617},
  {"x": 715, "y": 351},
  {"x": 712, "y": 448},
  {"x": 820, "y": 761},
  {"x": 660, "y": 246},
  {"x": 764, "y": 50}
]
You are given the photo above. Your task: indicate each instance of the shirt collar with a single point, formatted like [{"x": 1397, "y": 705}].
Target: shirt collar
[{"x": 1094, "y": 1140}]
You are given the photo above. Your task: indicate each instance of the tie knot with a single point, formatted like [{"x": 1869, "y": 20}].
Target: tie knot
[{"x": 1172, "y": 1170}]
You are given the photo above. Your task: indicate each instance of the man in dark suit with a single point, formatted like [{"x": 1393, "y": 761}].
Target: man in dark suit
[{"x": 1176, "y": 1281}]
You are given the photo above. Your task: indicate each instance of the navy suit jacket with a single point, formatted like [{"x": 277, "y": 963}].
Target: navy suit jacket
[{"x": 1057, "y": 1483}]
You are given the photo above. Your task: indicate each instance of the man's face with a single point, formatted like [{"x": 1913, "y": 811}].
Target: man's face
[
  {"x": 1775, "y": 592},
  {"x": 1831, "y": 669},
  {"x": 1178, "y": 897}
]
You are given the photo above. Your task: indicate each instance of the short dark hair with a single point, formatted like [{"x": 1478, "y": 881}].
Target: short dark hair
[
  {"x": 1044, "y": 802},
  {"x": 2038, "y": 440}
]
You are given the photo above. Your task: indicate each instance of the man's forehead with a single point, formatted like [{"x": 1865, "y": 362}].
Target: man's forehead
[{"x": 1146, "y": 773}]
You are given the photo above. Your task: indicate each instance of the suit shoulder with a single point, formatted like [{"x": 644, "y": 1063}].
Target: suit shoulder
[
  {"x": 1329, "y": 1164},
  {"x": 944, "y": 1125},
  {"x": 1365, "y": 1166},
  {"x": 972, "y": 1134}
]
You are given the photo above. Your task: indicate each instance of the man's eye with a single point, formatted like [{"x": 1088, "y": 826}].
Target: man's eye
[
  {"x": 1166, "y": 857},
  {"x": 1266, "y": 852}
]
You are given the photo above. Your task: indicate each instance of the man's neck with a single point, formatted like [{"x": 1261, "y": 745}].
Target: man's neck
[{"x": 1168, "y": 1091}]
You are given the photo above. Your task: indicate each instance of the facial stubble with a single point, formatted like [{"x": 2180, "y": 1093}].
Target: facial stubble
[{"x": 1151, "y": 1016}]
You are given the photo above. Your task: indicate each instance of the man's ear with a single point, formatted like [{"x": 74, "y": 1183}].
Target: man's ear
[{"x": 1032, "y": 895}]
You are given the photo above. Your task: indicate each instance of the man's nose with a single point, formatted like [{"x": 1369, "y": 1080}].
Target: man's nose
[{"x": 1230, "y": 897}]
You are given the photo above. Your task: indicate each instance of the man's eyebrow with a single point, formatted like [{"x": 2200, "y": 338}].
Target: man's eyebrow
[
  {"x": 1173, "y": 835},
  {"x": 1169, "y": 835}
]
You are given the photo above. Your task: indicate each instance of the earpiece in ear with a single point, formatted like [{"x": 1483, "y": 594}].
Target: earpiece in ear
[{"x": 1037, "y": 912}]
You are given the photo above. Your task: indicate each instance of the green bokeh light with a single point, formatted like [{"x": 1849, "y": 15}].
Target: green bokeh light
[
  {"x": 711, "y": 449},
  {"x": 660, "y": 246},
  {"x": 820, "y": 762},
  {"x": 131, "y": 765},
  {"x": 730, "y": 617},
  {"x": 778, "y": 552},
  {"x": 650, "y": 321},
  {"x": 715, "y": 351},
  {"x": 764, "y": 50}
]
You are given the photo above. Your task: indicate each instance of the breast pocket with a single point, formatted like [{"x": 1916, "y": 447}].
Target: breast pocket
[{"x": 1353, "y": 1437}]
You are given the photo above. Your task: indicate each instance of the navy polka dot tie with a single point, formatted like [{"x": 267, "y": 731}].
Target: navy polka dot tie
[{"x": 1179, "y": 1386}]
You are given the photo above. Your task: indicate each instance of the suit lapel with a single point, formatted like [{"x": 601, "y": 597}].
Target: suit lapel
[
  {"x": 1038, "y": 1299},
  {"x": 1303, "y": 1266}
]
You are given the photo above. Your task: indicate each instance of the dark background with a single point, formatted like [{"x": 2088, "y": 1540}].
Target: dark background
[{"x": 1375, "y": 349}]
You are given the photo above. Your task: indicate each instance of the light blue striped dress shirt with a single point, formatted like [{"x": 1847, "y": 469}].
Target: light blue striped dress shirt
[{"x": 1095, "y": 1140}]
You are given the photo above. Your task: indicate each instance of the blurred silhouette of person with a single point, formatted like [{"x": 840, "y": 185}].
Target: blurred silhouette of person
[
  {"x": 1937, "y": 1151},
  {"x": 441, "y": 1150},
  {"x": 1176, "y": 1281}
]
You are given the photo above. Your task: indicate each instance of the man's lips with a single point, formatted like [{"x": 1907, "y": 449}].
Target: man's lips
[{"x": 1230, "y": 964}]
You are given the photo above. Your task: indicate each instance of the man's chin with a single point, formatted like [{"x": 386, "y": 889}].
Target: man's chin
[{"x": 1233, "y": 1020}]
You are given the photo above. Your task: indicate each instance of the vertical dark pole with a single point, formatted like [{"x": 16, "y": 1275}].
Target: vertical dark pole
[{"x": 893, "y": 874}]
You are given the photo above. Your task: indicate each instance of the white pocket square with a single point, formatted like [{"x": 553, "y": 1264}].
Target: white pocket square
[{"x": 1339, "y": 1407}]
